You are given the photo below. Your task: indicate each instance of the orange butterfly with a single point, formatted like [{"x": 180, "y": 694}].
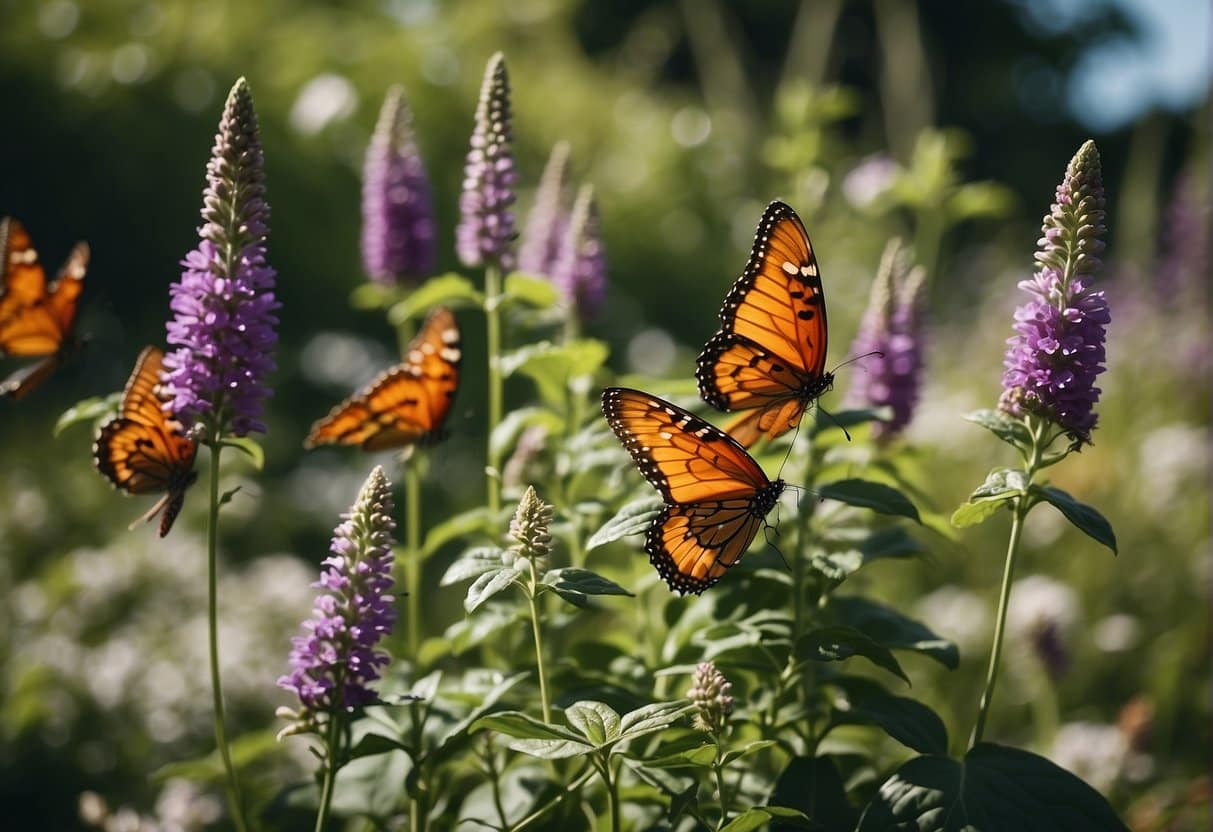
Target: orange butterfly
[
  {"x": 405, "y": 405},
  {"x": 769, "y": 355},
  {"x": 716, "y": 495},
  {"x": 36, "y": 319},
  {"x": 142, "y": 450}
]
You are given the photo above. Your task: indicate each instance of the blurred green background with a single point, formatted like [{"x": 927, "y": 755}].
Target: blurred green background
[{"x": 948, "y": 124}]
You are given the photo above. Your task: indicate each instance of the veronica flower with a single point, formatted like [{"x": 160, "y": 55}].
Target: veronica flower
[
  {"x": 397, "y": 216},
  {"x": 580, "y": 268},
  {"x": 549, "y": 217},
  {"x": 486, "y": 225},
  {"x": 891, "y": 334},
  {"x": 710, "y": 695},
  {"x": 1058, "y": 350},
  {"x": 223, "y": 306},
  {"x": 335, "y": 658}
]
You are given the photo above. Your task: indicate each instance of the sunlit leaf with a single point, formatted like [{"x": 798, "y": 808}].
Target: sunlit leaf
[
  {"x": 249, "y": 447},
  {"x": 890, "y": 628},
  {"x": 529, "y": 289},
  {"x": 94, "y": 408},
  {"x": 835, "y": 644},
  {"x": 632, "y": 519},
  {"x": 881, "y": 498},
  {"x": 450, "y": 289},
  {"x": 473, "y": 563},
  {"x": 1005, "y": 427},
  {"x": 488, "y": 585},
  {"x": 908, "y": 721},
  {"x": 1086, "y": 518}
]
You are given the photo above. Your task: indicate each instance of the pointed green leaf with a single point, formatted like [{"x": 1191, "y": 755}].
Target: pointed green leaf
[
  {"x": 488, "y": 585},
  {"x": 908, "y": 721},
  {"x": 974, "y": 514},
  {"x": 574, "y": 585},
  {"x": 530, "y": 289},
  {"x": 553, "y": 366},
  {"x": 531, "y": 736},
  {"x": 813, "y": 786},
  {"x": 1085, "y": 517},
  {"x": 634, "y": 518},
  {"x": 890, "y": 628},
  {"x": 94, "y": 408},
  {"x": 248, "y": 447},
  {"x": 474, "y": 563},
  {"x": 450, "y": 289},
  {"x": 747, "y": 749},
  {"x": 994, "y": 787},
  {"x": 877, "y": 496},
  {"x": 835, "y": 644},
  {"x": 760, "y": 817},
  {"x": 1006, "y": 428},
  {"x": 650, "y": 718},
  {"x": 597, "y": 722},
  {"x": 506, "y": 433}
]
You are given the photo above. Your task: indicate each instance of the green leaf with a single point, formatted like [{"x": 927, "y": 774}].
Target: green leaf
[
  {"x": 597, "y": 722},
  {"x": 459, "y": 732},
  {"x": 759, "y": 817},
  {"x": 697, "y": 757},
  {"x": 574, "y": 585},
  {"x": 835, "y": 566},
  {"x": 553, "y": 366},
  {"x": 530, "y": 736},
  {"x": 892, "y": 629},
  {"x": 248, "y": 447},
  {"x": 835, "y": 644},
  {"x": 450, "y": 289},
  {"x": 460, "y": 525},
  {"x": 374, "y": 296},
  {"x": 506, "y": 433},
  {"x": 474, "y": 563},
  {"x": 651, "y": 718},
  {"x": 90, "y": 409},
  {"x": 529, "y": 289},
  {"x": 881, "y": 498},
  {"x": 1085, "y": 517},
  {"x": 371, "y": 745},
  {"x": 1001, "y": 486},
  {"x": 634, "y": 518},
  {"x": 488, "y": 585},
  {"x": 908, "y": 721},
  {"x": 1006, "y": 428},
  {"x": 746, "y": 750},
  {"x": 813, "y": 786},
  {"x": 994, "y": 787},
  {"x": 974, "y": 514}
]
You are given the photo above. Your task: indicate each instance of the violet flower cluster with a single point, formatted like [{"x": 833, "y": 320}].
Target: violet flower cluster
[
  {"x": 397, "y": 214},
  {"x": 892, "y": 335},
  {"x": 580, "y": 268},
  {"x": 710, "y": 695},
  {"x": 335, "y": 658},
  {"x": 1058, "y": 350},
  {"x": 486, "y": 224},
  {"x": 548, "y": 220},
  {"x": 223, "y": 306}
]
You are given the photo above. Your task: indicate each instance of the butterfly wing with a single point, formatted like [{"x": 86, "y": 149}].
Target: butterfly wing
[
  {"x": 770, "y": 351},
  {"x": 142, "y": 450},
  {"x": 716, "y": 494},
  {"x": 408, "y": 403},
  {"x": 24, "y": 281}
]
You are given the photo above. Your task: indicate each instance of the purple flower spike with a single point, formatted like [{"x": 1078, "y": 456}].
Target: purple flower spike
[
  {"x": 549, "y": 217},
  {"x": 335, "y": 658},
  {"x": 397, "y": 216},
  {"x": 1053, "y": 360},
  {"x": 711, "y": 696},
  {"x": 223, "y": 306},
  {"x": 486, "y": 225},
  {"x": 894, "y": 326},
  {"x": 580, "y": 268}
]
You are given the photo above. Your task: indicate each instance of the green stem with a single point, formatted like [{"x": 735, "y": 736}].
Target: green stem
[
  {"x": 724, "y": 804},
  {"x": 330, "y": 769},
  {"x": 212, "y": 560},
  {"x": 532, "y": 597},
  {"x": 495, "y": 779},
  {"x": 612, "y": 788},
  {"x": 492, "y": 293},
  {"x": 412, "y": 563},
  {"x": 571, "y": 788},
  {"x": 996, "y": 653}
]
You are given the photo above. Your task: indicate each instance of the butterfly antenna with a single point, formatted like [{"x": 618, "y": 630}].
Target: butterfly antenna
[
  {"x": 840, "y": 425},
  {"x": 788, "y": 452},
  {"x": 855, "y": 358},
  {"x": 767, "y": 529}
]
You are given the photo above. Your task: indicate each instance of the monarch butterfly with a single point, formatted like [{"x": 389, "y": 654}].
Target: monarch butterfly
[
  {"x": 142, "y": 450},
  {"x": 715, "y": 494},
  {"x": 406, "y": 404},
  {"x": 769, "y": 355},
  {"x": 36, "y": 319}
]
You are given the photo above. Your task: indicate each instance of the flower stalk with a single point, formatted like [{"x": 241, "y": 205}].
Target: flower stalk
[{"x": 531, "y": 528}]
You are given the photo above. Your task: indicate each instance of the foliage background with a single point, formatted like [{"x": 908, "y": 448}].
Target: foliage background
[{"x": 688, "y": 117}]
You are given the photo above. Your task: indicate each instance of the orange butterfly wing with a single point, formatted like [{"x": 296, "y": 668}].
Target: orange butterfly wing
[
  {"x": 716, "y": 494},
  {"x": 36, "y": 320},
  {"x": 769, "y": 355},
  {"x": 144, "y": 451},
  {"x": 406, "y": 404}
]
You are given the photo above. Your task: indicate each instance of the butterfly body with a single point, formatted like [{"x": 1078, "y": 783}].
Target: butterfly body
[
  {"x": 716, "y": 495},
  {"x": 769, "y": 355},
  {"x": 405, "y": 405},
  {"x": 144, "y": 451},
  {"x": 37, "y": 319}
]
